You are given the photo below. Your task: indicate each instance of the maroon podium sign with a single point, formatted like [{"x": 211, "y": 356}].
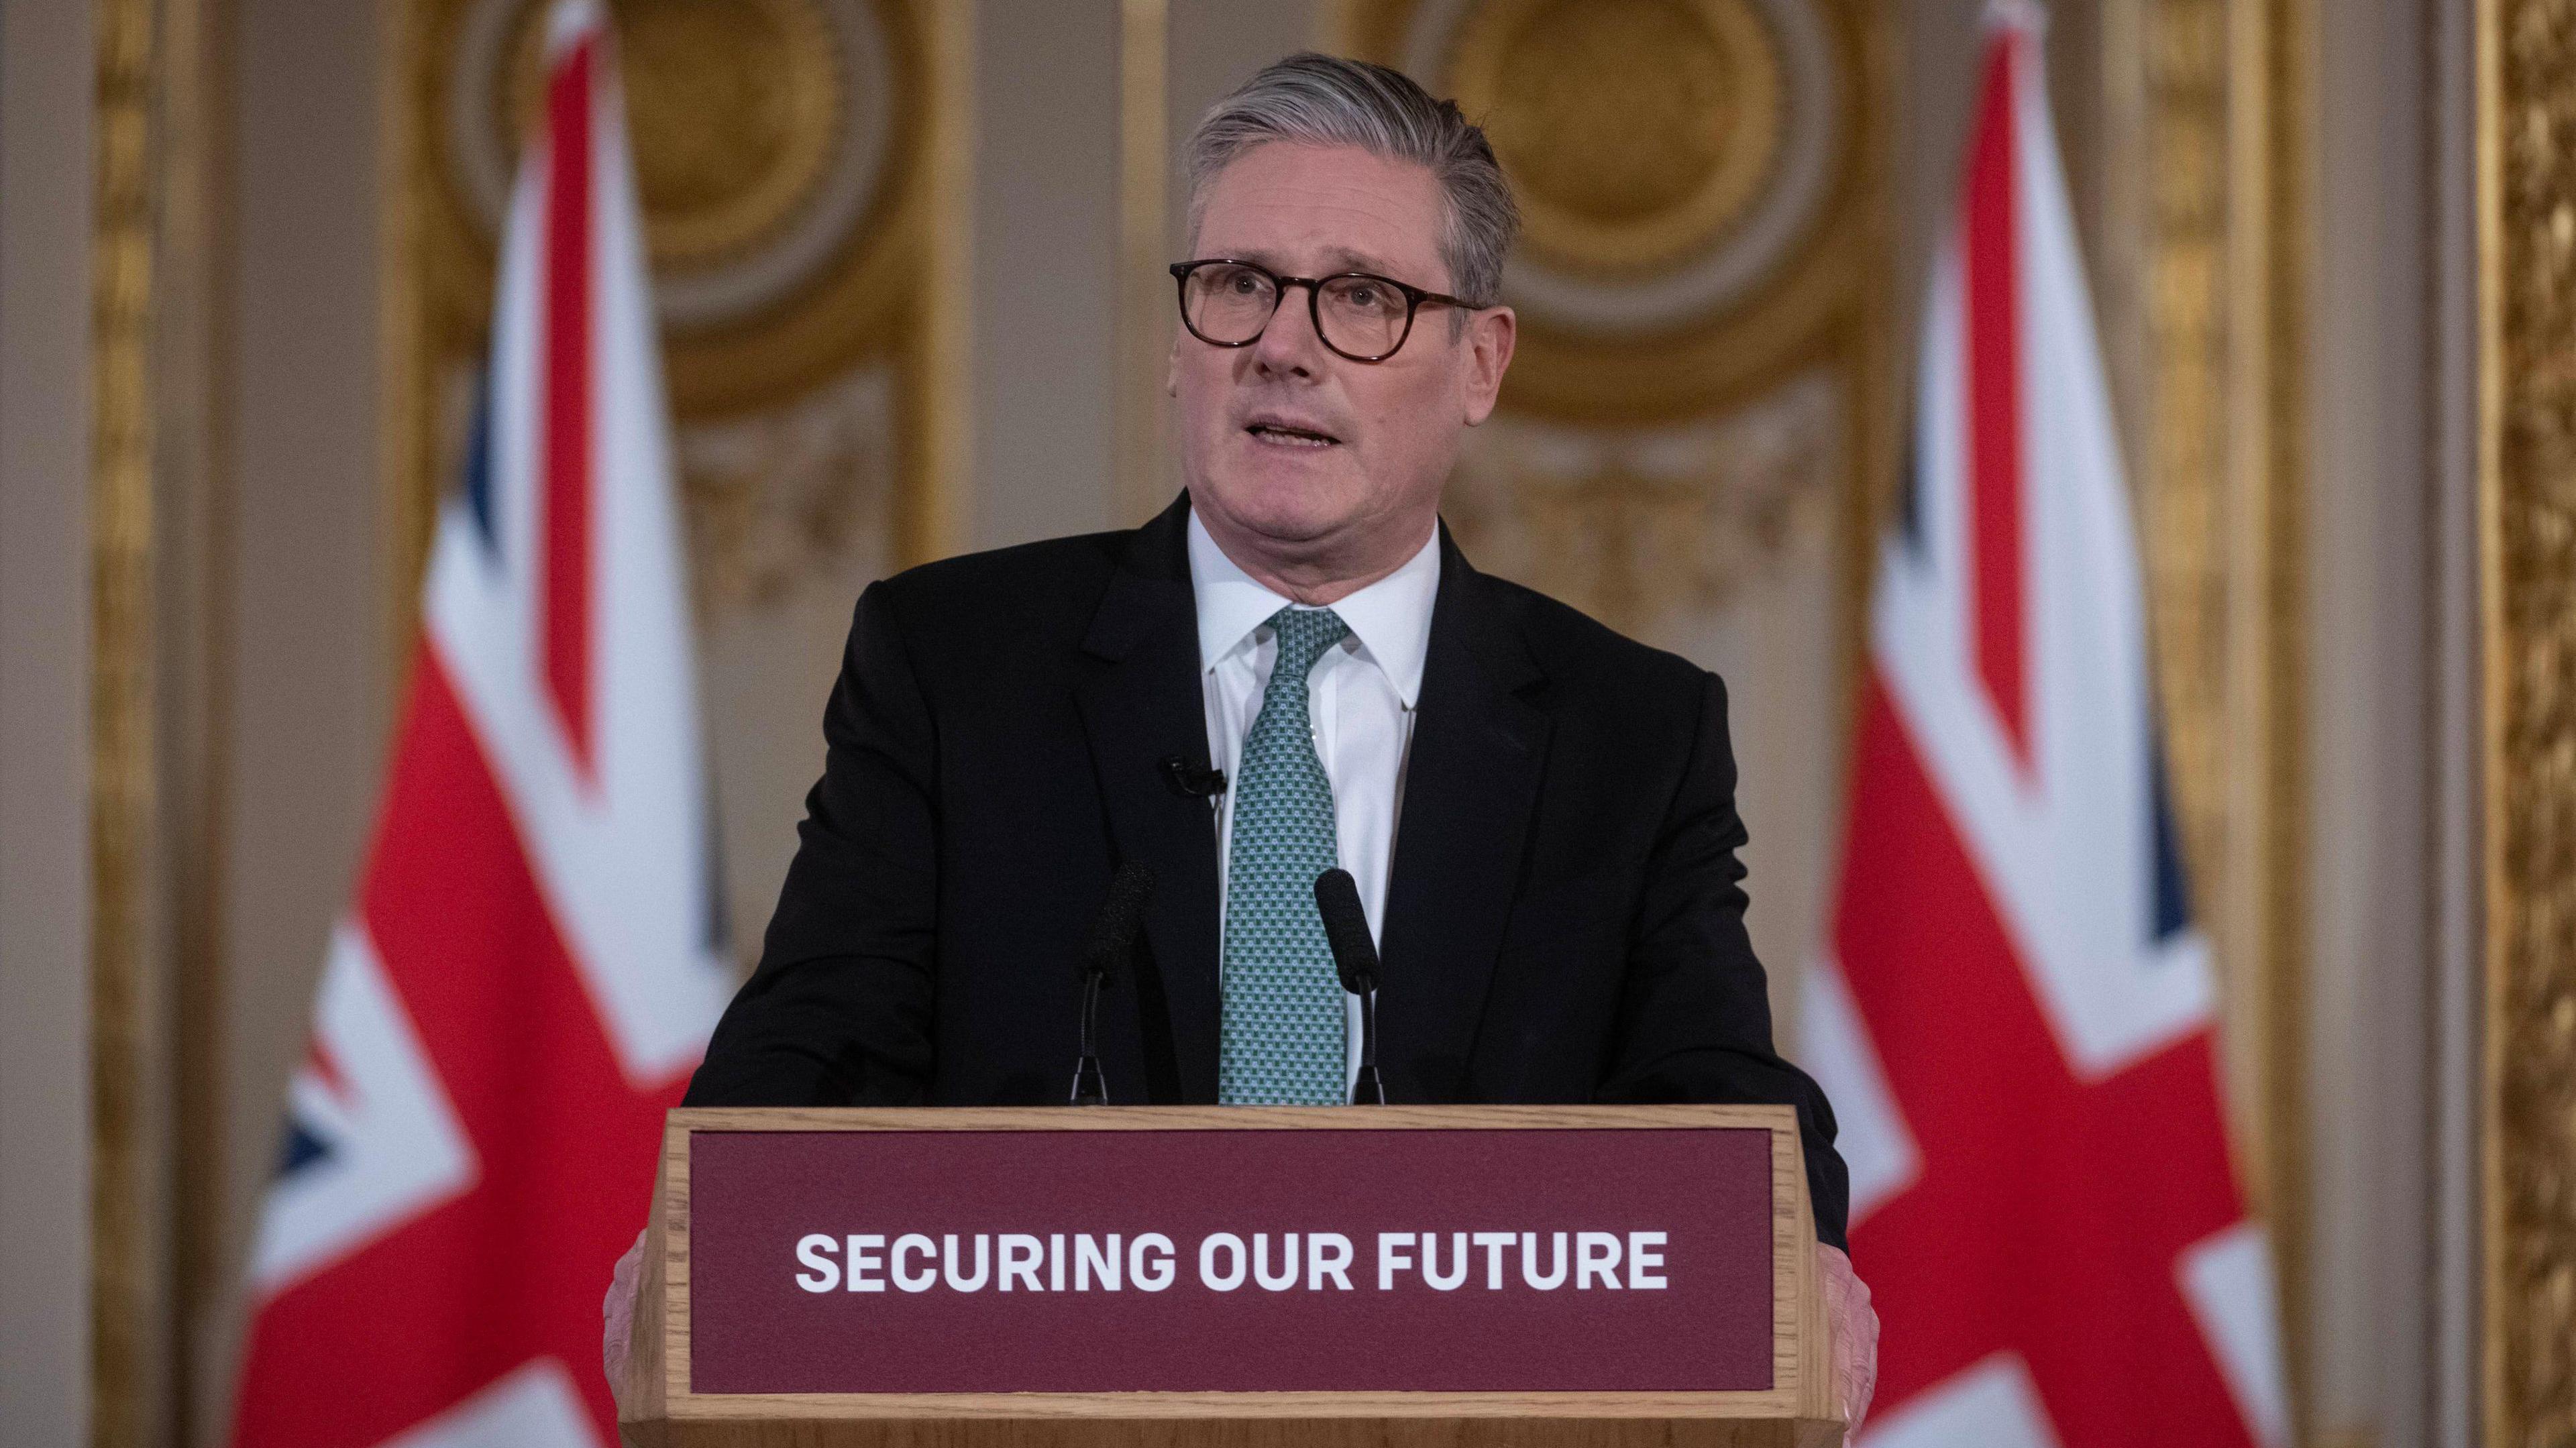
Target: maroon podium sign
[
  {"x": 1234, "y": 1261},
  {"x": 1206, "y": 1277}
]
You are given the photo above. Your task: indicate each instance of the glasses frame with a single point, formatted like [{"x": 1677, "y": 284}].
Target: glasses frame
[{"x": 1414, "y": 299}]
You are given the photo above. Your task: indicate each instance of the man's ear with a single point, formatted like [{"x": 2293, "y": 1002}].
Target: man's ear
[
  {"x": 1491, "y": 335},
  {"x": 1172, "y": 366}
]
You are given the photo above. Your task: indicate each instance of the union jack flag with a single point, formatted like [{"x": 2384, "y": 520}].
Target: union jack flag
[
  {"x": 2014, "y": 1018},
  {"x": 532, "y": 960}
]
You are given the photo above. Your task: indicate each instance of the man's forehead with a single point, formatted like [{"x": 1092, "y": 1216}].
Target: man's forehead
[
  {"x": 1330, "y": 258},
  {"x": 1339, "y": 208}
]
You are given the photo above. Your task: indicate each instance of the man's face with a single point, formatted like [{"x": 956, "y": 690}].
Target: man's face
[{"x": 1288, "y": 446}]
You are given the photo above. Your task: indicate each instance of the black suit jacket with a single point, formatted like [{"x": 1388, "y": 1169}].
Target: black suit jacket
[{"x": 1564, "y": 919}]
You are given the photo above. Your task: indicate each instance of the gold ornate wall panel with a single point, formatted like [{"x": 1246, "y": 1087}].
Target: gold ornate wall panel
[
  {"x": 2526, "y": 118},
  {"x": 160, "y": 517},
  {"x": 1703, "y": 390},
  {"x": 799, "y": 164},
  {"x": 1702, "y": 185},
  {"x": 2207, "y": 131},
  {"x": 129, "y": 1281}
]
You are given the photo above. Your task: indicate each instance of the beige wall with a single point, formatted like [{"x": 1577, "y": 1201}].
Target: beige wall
[
  {"x": 1214, "y": 46},
  {"x": 1046, "y": 227},
  {"x": 1046, "y": 242},
  {"x": 311, "y": 676},
  {"x": 44, "y": 748},
  {"x": 2369, "y": 886},
  {"x": 1049, "y": 100}
]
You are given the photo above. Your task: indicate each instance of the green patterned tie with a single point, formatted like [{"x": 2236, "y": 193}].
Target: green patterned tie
[{"x": 1285, "y": 1029}]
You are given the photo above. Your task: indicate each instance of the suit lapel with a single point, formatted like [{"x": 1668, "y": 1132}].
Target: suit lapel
[
  {"x": 1471, "y": 782},
  {"x": 1141, "y": 705}
]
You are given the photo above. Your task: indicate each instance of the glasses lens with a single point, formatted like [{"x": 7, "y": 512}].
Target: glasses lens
[
  {"x": 1363, "y": 315},
  {"x": 1227, "y": 303}
]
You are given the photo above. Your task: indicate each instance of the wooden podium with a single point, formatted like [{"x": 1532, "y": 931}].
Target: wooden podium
[{"x": 1062, "y": 1278}]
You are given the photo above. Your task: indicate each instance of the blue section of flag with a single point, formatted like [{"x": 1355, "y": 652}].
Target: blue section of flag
[
  {"x": 2173, "y": 887},
  {"x": 1909, "y": 499},
  {"x": 300, "y": 1148},
  {"x": 478, "y": 468}
]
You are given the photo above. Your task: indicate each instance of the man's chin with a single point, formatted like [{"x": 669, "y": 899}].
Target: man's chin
[{"x": 1285, "y": 514}]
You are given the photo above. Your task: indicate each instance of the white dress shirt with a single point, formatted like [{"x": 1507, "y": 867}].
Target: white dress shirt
[{"x": 1360, "y": 698}]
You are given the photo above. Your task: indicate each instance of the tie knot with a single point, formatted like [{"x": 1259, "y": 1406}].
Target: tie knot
[{"x": 1304, "y": 634}]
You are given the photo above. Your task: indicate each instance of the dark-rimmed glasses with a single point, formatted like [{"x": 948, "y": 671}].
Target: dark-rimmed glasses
[{"x": 1360, "y": 315}]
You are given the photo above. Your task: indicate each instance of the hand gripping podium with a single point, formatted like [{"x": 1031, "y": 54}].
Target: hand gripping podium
[{"x": 1237, "y": 1276}]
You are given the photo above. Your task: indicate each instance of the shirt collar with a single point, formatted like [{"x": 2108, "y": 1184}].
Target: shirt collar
[{"x": 1391, "y": 618}]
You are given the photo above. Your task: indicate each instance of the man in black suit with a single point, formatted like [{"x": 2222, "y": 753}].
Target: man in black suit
[
  {"x": 1564, "y": 923},
  {"x": 1539, "y": 812}
]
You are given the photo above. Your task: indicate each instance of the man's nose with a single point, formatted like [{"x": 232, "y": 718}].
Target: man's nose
[{"x": 1289, "y": 346}]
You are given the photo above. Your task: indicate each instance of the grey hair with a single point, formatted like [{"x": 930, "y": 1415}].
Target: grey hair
[{"x": 1326, "y": 100}]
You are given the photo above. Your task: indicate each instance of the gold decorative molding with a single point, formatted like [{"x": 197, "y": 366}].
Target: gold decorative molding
[
  {"x": 128, "y": 1285},
  {"x": 159, "y": 541},
  {"x": 2526, "y": 219},
  {"x": 1663, "y": 522},
  {"x": 940, "y": 417},
  {"x": 776, "y": 497}
]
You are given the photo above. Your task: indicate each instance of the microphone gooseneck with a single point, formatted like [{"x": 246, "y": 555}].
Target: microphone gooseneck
[
  {"x": 1337, "y": 899},
  {"x": 1111, "y": 947}
]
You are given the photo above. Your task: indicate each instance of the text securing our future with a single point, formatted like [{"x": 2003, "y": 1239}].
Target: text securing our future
[{"x": 1228, "y": 1261}]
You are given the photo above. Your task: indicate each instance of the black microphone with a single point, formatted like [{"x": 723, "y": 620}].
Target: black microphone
[
  {"x": 1337, "y": 899},
  {"x": 1112, "y": 946},
  {"x": 1191, "y": 780}
]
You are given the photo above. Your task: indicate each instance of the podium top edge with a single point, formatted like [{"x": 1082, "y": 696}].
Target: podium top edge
[
  {"x": 1767, "y": 1404},
  {"x": 1700, "y": 1117}
]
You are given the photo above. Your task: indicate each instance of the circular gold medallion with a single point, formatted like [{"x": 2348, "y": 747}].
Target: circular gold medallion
[
  {"x": 1670, "y": 155},
  {"x": 1690, "y": 179},
  {"x": 1638, "y": 131},
  {"x": 762, "y": 131},
  {"x": 729, "y": 106}
]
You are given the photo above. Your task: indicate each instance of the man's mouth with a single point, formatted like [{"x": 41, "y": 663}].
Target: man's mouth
[{"x": 1280, "y": 434}]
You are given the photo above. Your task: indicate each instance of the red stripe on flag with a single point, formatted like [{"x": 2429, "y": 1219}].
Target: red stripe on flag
[
  {"x": 1994, "y": 401},
  {"x": 512, "y": 1269},
  {"x": 565, "y": 598},
  {"x": 2050, "y": 1214},
  {"x": 326, "y": 1067}
]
